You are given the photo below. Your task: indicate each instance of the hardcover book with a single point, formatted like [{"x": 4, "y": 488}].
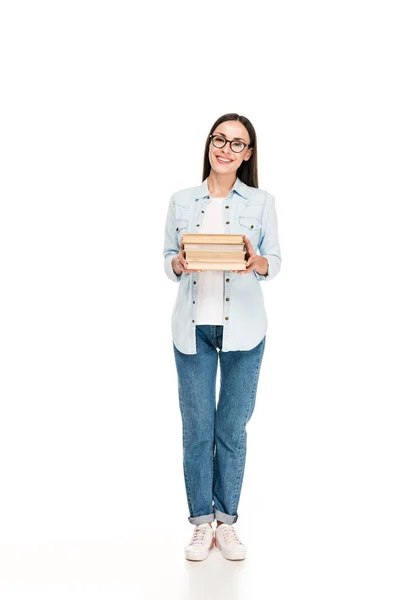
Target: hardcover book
[{"x": 214, "y": 251}]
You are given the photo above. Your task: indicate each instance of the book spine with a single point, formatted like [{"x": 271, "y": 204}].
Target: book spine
[
  {"x": 196, "y": 238},
  {"x": 217, "y": 256},
  {"x": 215, "y": 247},
  {"x": 217, "y": 266}
]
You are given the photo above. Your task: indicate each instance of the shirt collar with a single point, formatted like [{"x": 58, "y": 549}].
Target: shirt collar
[{"x": 239, "y": 187}]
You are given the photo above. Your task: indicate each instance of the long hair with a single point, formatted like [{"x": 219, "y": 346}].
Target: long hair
[{"x": 247, "y": 172}]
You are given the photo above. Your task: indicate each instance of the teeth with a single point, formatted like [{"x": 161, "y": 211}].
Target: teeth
[{"x": 223, "y": 159}]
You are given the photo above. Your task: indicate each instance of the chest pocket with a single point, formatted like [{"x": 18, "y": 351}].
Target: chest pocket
[
  {"x": 251, "y": 228},
  {"x": 251, "y": 223},
  {"x": 181, "y": 226}
]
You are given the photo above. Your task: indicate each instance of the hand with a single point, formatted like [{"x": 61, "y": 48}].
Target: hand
[
  {"x": 254, "y": 261},
  {"x": 179, "y": 263}
]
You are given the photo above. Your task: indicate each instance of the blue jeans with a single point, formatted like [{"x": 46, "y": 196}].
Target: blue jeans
[{"x": 214, "y": 436}]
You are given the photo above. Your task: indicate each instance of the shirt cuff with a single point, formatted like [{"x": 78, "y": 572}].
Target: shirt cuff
[
  {"x": 262, "y": 277},
  {"x": 169, "y": 270}
]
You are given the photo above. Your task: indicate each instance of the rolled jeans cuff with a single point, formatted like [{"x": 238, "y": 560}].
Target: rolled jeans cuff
[
  {"x": 201, "y": 519},
  {"x": 224, "y": 518}
]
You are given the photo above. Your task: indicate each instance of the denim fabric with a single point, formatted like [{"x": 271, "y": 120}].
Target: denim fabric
[
  {"x": 214, "y": 435},
  {"x": 249, "y": 211}
]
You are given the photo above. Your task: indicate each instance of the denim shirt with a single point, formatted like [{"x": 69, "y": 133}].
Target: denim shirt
[{"x": 249, "y": 211}]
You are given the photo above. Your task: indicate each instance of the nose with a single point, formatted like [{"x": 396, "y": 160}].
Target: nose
[{"x": 227, "y": 149}]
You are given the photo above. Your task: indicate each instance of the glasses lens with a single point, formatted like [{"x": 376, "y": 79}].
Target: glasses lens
[
  {"x": 218, "y": 141},
  {"x": 237, "y": 146}
]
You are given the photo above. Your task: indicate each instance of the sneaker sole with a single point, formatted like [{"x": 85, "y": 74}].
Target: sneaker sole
[
  {"x": 232, "y": 554},
  {"x": 197, "y": 555}
]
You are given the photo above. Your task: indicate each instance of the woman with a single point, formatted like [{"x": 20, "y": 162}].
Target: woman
[{"x": 220, "y": 315}]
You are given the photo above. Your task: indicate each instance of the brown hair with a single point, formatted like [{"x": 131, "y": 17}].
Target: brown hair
[{"x": 247, "y": 172}]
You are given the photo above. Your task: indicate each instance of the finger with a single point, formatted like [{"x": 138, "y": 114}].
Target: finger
[
  {"x": 249, "y": 247},
  {"x": 251, "y": 260},
  {"x": 191, "y": 270}
]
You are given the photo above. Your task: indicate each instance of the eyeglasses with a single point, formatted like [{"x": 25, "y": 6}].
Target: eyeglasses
[{"x": 236, "y": 146}]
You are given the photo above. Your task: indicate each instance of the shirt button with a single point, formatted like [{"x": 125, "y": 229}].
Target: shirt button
[
  {"x": 227, "y": 299},
  {"x": 251, "y": 226},
  {"x": 194, "y": 283},
  {"x": 177, "y": 228},
  {"x": 227, "y": 280},
  {"x": 202, "y": 211},
  {"x": 207, "y": 197},
  {"x": 194, "y": 301},
  {"x": 226, "y": 206},
  {"x": 193, "y": 321},
  {"x": 197, "y": 225},
  {"x": 197, "y": 199},
  {"x": 226, "y": 318},
  {"x": 227, "y": 223}
]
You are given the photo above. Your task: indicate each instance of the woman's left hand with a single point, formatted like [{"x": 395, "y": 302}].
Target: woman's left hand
[{"x": 255, "y": 261}]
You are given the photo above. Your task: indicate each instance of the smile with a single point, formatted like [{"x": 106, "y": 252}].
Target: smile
[{"x": 223, "y": 161}]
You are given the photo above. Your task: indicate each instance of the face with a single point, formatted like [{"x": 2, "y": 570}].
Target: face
[{"x": 225, "y": 160}]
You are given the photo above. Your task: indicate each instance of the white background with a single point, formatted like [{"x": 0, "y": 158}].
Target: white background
[{"x": 105, "y": 108}]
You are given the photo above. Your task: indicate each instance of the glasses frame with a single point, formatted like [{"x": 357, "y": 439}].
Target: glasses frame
[{"x": 213, "y": 135}]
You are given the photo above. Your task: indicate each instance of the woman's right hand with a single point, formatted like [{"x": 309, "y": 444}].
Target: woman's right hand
[{"x": 179, "y": 263}]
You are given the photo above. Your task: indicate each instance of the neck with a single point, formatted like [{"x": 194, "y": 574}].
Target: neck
[{"x": 220, "y": 185}]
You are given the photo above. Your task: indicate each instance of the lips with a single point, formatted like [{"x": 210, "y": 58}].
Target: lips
[{"x": 224, "y": 161}]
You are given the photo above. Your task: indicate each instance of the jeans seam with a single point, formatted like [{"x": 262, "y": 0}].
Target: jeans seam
[
  {"x": 184, "y": 438},
  {"x": 240, "y": 474},
  {"x": 214, "y": 335}
]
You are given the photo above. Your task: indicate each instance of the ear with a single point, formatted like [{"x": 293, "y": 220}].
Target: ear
[{"x": 249, "y": 153}]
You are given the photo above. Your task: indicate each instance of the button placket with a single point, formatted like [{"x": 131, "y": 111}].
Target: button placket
[
  {"x": 227, "y": 228},
  {"x": 227, "y": 275},
  {"x": 194, "y": 298},
  {"x": 200, "y": 213},
  {"x": 226, "y": 313},
  {"x": 198, "y": 222},
  {"x": 227, "y": 296}
]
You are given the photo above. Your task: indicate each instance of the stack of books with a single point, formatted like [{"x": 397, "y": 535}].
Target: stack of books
[{"x": 214, "y": 251}]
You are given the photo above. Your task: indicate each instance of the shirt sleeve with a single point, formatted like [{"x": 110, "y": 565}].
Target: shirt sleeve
[
  {"x": 171, "y": 247},
  {"x": 269, "y": 243}
]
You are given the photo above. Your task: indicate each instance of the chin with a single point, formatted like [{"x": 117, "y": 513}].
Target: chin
[{"x": 221, "y": 169}]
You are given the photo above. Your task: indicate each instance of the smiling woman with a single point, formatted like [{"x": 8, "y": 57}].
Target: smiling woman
[
  {"x": 219, "y": 318},
  {"x": 232, "y": 148}
]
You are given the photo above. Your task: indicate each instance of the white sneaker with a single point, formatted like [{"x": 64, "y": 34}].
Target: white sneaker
[
  {"x": 226, "y": 539},
  {"x": 201, "y": 542}
]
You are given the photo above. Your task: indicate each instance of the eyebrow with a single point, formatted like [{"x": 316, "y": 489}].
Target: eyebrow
[{"x": 235, "y": 138}]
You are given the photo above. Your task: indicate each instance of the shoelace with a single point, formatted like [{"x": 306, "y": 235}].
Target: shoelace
[
  {"x": 230, "y": 535},
  {"x": 199, "y": 535}
]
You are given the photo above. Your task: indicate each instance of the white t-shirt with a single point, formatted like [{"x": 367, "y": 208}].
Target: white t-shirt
[{"x": 210, "y": 284}]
